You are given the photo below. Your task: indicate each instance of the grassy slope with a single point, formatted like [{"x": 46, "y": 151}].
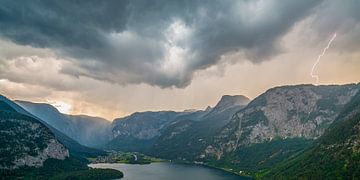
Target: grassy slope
[{"x": 261, "y": 156}]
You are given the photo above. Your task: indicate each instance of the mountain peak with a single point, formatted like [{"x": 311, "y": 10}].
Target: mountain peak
[
  {"x": 227, "y": 101},
  {"x": 232, "y": 100},
  {"x": 208, "y": 108}
]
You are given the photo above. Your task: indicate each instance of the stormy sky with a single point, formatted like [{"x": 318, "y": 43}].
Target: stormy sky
[{"x": 112, "y": 58}]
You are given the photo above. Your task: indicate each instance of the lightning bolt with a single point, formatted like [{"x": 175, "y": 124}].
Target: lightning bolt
[{"x": 319, "y": 57}]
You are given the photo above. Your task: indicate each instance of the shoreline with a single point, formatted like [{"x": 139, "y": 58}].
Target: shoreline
[
  {"x": 136, "y": 158},
  {"x": 246, "y": 175},
  {"x": 183, "y": 163}
]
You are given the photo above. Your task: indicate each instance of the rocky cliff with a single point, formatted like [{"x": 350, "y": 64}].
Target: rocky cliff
[
  {"x": 26, "y": 141},
  {"x": 304, "y": 111},
  {"x": 335, "y": 155}
]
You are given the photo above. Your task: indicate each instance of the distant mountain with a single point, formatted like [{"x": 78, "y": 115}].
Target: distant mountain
[
  {"x": 73, "y": 146},
  {"x": 140, "y": 130},
  {"x": 26, "y": 141},
  {"x": 277, "y": 124},
  {"x": 93, "y": 131},
  {"x": 161, "y": 133},
  {"x": 336, "y": 155},
  {"x": 87, "y": 130},
  {"x": 186, "y": 138}
]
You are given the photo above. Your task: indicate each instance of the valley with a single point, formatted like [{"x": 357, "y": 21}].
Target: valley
[{"x": 259, "y": 138}]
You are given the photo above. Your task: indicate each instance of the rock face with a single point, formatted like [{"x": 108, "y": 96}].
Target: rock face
[
  {"x": 53, "y": 150},
  {"x": 283, "y": 112},
  {"x": 26, "y": 141},
  {"x": 87, "y": 130},
  {"x": 334, "y": 156}
]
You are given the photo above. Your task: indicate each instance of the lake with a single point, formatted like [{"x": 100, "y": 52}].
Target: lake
[{"x": 169, "y": 171}]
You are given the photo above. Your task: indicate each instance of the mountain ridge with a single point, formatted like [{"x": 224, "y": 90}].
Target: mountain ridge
[
  {"x": 87, "y": 130},
  {"x": 196, "y": 129},
  {"x": 71, "y": 144},
  {"x": 237, "y": 133},
  {"x": 297, "y": 114},
  {"x": 155, "y": 123}
]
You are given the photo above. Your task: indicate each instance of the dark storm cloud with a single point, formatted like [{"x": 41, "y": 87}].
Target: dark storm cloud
[
  {"x": 61, "y": 23},
  {"x": 156, "y": 42},
  {"x": 342, "y": 17}
]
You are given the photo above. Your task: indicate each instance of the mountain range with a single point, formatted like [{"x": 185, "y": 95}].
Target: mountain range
[
  {"x": 276, "y": 135},
  {"x": 296, "y": 115},
  {"x": 147, "y": 131}
]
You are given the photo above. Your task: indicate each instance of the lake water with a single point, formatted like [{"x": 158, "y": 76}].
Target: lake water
[{"x": 169, "y": 171}]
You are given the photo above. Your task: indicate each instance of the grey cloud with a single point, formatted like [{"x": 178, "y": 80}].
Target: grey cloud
[
  {"x": 61, "y": 23},
  {"x": 341, "y": 17},
  {"x": 157, "y": 42}
]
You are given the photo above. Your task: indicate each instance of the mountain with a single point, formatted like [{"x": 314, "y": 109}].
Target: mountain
[
  {"x": 73, "y": 146},
  {"x": 140, "y": 130},
  {"x": 145, "y": 131},
  {"x": 336, "y": 155},
  {"x": 87, "y": 130},
  {"x": 300, "y": 131},
  {"x": 93, "y": 131},
  {"x": 30, "y": 149},
  {"x": 26, "y": 141},
  {"x": 228, "y": 101},
  {"x": 186, "y": 138},
  {"x": 277, "y": 124}
]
